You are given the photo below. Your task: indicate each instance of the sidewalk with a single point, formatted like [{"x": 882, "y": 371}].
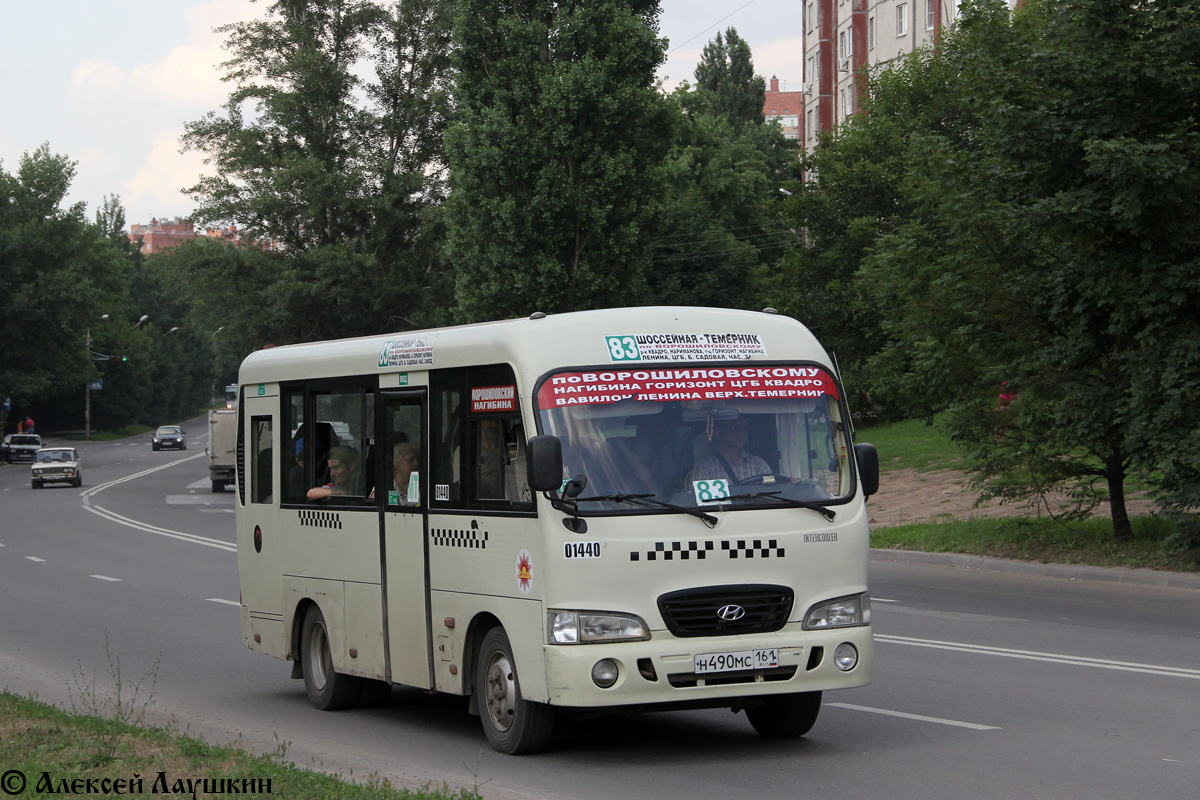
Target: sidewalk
[{"x": 1074, "y": 572}]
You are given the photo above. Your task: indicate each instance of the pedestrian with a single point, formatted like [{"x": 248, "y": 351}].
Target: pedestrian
[
  {"x": 20, "y": 425},
  {"x": 29, "y": 424}
]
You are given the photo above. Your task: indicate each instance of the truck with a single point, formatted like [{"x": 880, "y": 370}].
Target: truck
[{"x": 222, "y": 447}]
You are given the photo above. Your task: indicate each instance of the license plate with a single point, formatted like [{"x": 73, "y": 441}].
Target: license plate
[{"x": 737, "y": 660}]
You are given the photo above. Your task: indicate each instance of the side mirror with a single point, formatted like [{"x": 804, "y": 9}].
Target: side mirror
[
  {"x": 868, "y": 468},
  {"x": 544, "y": 463}
]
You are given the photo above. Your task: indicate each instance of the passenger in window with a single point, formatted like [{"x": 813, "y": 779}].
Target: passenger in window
[
  {"x": 295, "y": 480},
  {"x": 343, "y": 473},
  {"x": 728, "y": 457},
  {"x": 404, "y": 467},
  {"x": 490, "y": 460}
]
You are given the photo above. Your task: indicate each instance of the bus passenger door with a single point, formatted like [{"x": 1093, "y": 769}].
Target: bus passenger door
[
  {"x": 261, "y": 537},
  {"x": 404, "y": 486}
]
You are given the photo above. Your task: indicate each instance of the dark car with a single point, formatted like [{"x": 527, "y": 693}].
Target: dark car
[
  {"x": 169, "y": 436},
  {"x": 57, "y": 465},
  {"x": 20, "y": 447}
]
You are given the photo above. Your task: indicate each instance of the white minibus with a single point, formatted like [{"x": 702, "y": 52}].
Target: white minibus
[{"x": 642, "y": 508}]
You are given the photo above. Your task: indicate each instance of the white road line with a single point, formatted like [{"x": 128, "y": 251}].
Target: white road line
[
  {"x": 881, "y": 600},
  {"x": 105, "y": 578},
  {"x": 919, "y": 717},
  {"x": 35, "y": 558},
  {"x": 1054, "y": 658},
  {"x": 112, "y": 516},
  {"x": 226, "y": 602}
]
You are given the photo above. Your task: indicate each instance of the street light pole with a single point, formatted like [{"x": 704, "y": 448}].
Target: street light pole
[{"x": 87, "y": 386}]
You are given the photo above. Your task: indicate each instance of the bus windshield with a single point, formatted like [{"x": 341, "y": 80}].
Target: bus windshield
[{"x": 713, "y": 438}]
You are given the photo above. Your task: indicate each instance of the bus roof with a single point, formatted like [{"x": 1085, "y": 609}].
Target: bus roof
[{"x": 646, "y": 337}]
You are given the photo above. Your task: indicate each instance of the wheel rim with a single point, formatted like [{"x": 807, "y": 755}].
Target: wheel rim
[
  {"x": 319, "y": 659},
  {"x": 500, "y": 691}
]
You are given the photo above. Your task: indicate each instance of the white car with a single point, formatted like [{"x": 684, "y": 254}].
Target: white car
[{"x": 56, "y": 465}]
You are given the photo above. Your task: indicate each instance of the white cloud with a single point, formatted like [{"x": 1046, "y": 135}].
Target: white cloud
[
  {"x": 158, "y": 183},
  {"x": 96, "y": 80}
]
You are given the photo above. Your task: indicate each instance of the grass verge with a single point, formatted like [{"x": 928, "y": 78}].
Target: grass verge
[
  {"x": 1043, "y": 540},
  {"x": 911, "y": 444},
  {"x": 917, "y": 445},
  {"x": 77, "y": 754}
]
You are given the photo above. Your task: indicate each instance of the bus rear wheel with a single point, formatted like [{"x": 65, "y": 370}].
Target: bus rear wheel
[
  {"x": 785, "y": 716},
  {"x": 512, "y": 724},
  {"x": 327, "y": 690}
]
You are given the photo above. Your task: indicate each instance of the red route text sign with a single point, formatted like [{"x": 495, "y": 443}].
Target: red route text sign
[{"x": 668, "y": 385}]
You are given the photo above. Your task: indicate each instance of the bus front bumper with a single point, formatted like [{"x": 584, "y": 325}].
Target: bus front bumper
[{"x": 663, "y": 669}]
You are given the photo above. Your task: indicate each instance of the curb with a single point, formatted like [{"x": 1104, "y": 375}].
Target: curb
[{"x": 1074, "y": 572}]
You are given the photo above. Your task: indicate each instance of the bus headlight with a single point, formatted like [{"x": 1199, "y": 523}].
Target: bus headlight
[
  {"x": 844, "y": 612},
  {"x": 584, "y": 627}
]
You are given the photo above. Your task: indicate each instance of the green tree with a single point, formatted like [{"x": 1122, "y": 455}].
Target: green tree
[
  {"x": 555, "y": 153},
  {"x": 328, "y": 151},
  {"x": 725, "y": 79},
  {"x": 1047, "y": 240},
  {"x": 718, "y": 225},
  {"x": 57, "y": 274}
]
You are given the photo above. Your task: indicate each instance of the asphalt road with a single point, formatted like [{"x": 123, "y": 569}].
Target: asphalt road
[{"x": 124, "y": 593}]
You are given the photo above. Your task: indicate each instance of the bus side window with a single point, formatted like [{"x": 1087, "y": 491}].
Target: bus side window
[{"x": 262, "y": 460}]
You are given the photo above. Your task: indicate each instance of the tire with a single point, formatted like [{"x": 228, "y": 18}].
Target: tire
[
  {"x": 785, "y": 716},
  {"x": 78, "y": 482},
  {"x": 218, "y": 486},
  {"x": 512, "y": 724},
  {"x": 154, "y": 447},
  {"x": 36, "y": 484},
  {"x": 326, "y": 689}
]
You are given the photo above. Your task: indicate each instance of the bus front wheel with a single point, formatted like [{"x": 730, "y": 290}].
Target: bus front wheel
[
  {"x": 327, "y": 690},
  {"x": 785, "y": 716},
  {"x": 513, "y": 724}
]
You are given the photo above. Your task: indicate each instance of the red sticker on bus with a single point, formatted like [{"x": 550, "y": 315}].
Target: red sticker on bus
[{"x": 493, "y": 398}]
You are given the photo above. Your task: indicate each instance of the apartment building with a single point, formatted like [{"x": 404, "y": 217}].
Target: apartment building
[
  {"x": 162, "y": 234},
  {"x": 786, "y": 107},
  {"x": 843, "y": 36}
]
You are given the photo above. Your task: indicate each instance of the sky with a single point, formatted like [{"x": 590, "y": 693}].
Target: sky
[{"x": 110, "y": 84}]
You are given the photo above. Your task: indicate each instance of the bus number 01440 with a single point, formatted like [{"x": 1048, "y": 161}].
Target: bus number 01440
[{"x": 581, "y": 549}]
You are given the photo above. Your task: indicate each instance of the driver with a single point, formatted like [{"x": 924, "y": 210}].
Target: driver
[{"x": 729, "y": 458}]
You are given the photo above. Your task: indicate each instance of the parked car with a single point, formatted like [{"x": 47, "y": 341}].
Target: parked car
[
  {"x": 19, "y": 447},
  {"x": 56, "y": 465},
  {"x": 169, "y": 436}
]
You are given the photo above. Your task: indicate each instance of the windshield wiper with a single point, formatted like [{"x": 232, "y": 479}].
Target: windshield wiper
[
  {"x": 648, "y": 501},
  {"x": 824, "y": 511}
]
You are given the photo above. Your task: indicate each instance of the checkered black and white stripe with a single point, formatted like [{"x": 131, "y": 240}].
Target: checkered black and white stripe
[
  {"x": 451, "y": 537},
  {"x": 685, "y": 551},
  {"x": 320, "y": 519}
]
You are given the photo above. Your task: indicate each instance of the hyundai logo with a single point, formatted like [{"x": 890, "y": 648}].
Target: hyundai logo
[{"x": 731, "y": 613}]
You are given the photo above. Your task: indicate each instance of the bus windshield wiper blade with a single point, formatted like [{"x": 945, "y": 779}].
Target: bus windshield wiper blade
[
  {"x": 824, "y": 511},
  {"x": 649, "y": 501}
]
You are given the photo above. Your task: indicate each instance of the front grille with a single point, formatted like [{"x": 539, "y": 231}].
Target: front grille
[{"x": 693, "y": 612}]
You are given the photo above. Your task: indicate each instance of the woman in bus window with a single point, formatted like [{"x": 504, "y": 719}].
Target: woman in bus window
[{"x": 343, "y": 473}]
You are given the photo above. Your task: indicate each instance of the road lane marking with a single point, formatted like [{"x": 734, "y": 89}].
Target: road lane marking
[
  {"x": 1054, "y": 658},
  {"x": 112, "y": 516},
  {"x": 226, "y": 602},
  {"x": 919, "y": 717},
  {"x": 35, "y": 558},
  {"x": 105, "y": 578}
]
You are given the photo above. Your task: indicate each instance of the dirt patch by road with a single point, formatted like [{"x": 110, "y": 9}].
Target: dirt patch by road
[{"x": 909, "y": 495}]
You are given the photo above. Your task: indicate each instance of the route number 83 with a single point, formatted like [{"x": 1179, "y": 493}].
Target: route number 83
[
  {"x": 623, "y": 348},
  {"x": 711, "y": 491}
]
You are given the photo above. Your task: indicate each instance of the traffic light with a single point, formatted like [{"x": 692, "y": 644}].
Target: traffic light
[{"x": 118, "y": 358}]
